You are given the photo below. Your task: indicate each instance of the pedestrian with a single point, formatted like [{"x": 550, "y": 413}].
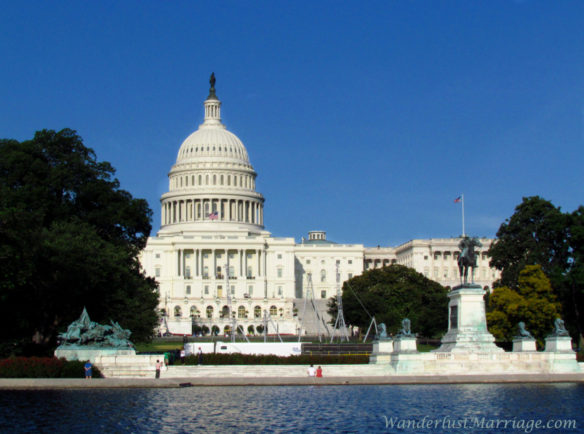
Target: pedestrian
[
  {"x": 158, "y": 366},
  {"x": 319, "y": 372},
  {"x": 182, "y": 356},
  {"x": 87, "y": 368},
  {"x": 311, "y": 371},
  {"x": 200, "y": 356}
]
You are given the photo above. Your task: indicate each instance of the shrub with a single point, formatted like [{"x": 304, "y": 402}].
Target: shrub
[
  {"x": 270, "y": 359},
  {"x": 43, "y": 367}
]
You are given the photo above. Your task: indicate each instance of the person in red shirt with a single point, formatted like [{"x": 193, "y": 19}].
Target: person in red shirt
[{"x": 319, "y": 372}]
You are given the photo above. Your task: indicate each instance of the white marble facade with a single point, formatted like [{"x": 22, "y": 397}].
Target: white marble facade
[{"x": 214, "y": 259}]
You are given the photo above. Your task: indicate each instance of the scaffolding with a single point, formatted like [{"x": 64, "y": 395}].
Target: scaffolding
[
  {"x": 318, "y": 317},
  {"x": 340, "y": 321}
]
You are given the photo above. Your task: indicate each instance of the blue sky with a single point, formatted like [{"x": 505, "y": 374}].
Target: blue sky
[{"x": 364, "y": 119}]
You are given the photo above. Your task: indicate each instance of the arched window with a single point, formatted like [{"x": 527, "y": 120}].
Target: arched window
[
  {"x": 200, "y": 179},
  {"x": 225, "y": 312},
  {"x": 221, "y": 180},
  {"x": 241, "y": 313},
  {"x": 209, "y": 311},
  {"x": 257, "y": 312},
  {"x": 323, "y": 275},
  {"x": 177, "y": 311},
  {"x": 273, "y": 311},
  {"x": 206, "y": 179},
  {"x": 214, "y": 179},
  {"x": 195, "y": 313},
  {"x": 228, "y": 179}
]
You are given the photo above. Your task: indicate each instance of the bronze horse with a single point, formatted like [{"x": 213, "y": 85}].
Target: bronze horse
[{"x": 467, "y": 258}]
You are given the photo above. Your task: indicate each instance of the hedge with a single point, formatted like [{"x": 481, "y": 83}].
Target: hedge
[
  {"x": 270, "y": 359},
  {"x": 43, "y": 367}
]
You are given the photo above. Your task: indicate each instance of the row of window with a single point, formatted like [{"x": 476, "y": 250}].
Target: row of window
[
  {"x": 242, "y": 312},
  {"x": 454, "y": 255},
  {"x": 338, "y": 261},
  {"x": 208, "y": 148},
  {"x": 219, "y": 275},
  {"x": 238, "y": 180},
  {"x": 323, "y": 275},
  {"x": 454, "y": 272},
  {"x": 280, "y": 290}
]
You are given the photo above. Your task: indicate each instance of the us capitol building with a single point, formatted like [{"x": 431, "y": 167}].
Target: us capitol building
[{"x": 214, "y": 260}]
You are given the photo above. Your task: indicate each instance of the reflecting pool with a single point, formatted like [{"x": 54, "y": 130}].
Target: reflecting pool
[{"x": 291, "y": 409}]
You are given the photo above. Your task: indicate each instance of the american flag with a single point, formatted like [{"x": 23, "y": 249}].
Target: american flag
[
  {"x": 213, "y": 216},
  {"x": 458, "y": 199}
]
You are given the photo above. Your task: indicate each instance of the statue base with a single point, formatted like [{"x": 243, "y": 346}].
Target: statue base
[
  {"x": 382, "y": 348},
  {"x": 561, "y": 344},
  {"x": 467, "y": 325},
  {"x": 405, "y": 344},
  {"x": 522, "y": 345},
  {"x": 90, "y": 353}
]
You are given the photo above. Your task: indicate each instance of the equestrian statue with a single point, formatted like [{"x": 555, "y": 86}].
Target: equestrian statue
[{"x": 467, "y": 258}]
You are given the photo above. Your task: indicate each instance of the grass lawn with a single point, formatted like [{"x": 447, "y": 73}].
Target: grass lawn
[
  {"x": 424, "y": 348},
  {"x": 158, "y": 347}
]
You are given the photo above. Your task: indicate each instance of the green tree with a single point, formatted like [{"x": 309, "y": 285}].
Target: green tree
[
  {"x": 539, "y": 233},
  {"x": 392, "y": 294},
  {"x": 69, "y": 238},
  {"x": 535, "y": 234},
  {"x": 571, "y": 290},
  {"x": 533, "y": 301}
]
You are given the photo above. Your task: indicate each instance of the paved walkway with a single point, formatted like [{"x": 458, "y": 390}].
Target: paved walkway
[{"x": 112, "y": 383}]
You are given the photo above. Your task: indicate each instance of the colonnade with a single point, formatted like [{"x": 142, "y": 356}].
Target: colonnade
[
  {"x": 229, "y": 210},
  {"x": 199, "y": 266}
]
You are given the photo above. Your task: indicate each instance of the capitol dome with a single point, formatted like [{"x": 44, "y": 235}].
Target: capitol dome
[
  {"x": 212, "y": 143},
  {"x": 212, "y": 182}
]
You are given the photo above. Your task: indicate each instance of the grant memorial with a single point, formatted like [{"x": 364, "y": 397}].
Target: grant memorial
[
  {"x": 468, "y": 348},
  {"x": 467, "y": 322}
]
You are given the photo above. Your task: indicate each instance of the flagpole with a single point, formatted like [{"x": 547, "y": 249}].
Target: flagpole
[{"x": 463, "y": 233}]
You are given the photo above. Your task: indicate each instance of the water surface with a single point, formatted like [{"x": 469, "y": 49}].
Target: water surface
[{"x": 292, "y": 409}]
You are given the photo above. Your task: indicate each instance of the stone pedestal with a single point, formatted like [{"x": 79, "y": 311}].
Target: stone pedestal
[
  {"x": 71, "y": 352},
  {"x": 467, "y": 323},
  {"x": 560, "y": 344},
  {"x": 405, "y": 344},
  {"x": 383, "y": 346},
  {"x": 381, "y": 351},
  {"x": 521, "y": 345}
]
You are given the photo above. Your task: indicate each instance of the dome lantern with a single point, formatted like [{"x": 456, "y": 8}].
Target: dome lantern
[{"x": 212, "y": 107}]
